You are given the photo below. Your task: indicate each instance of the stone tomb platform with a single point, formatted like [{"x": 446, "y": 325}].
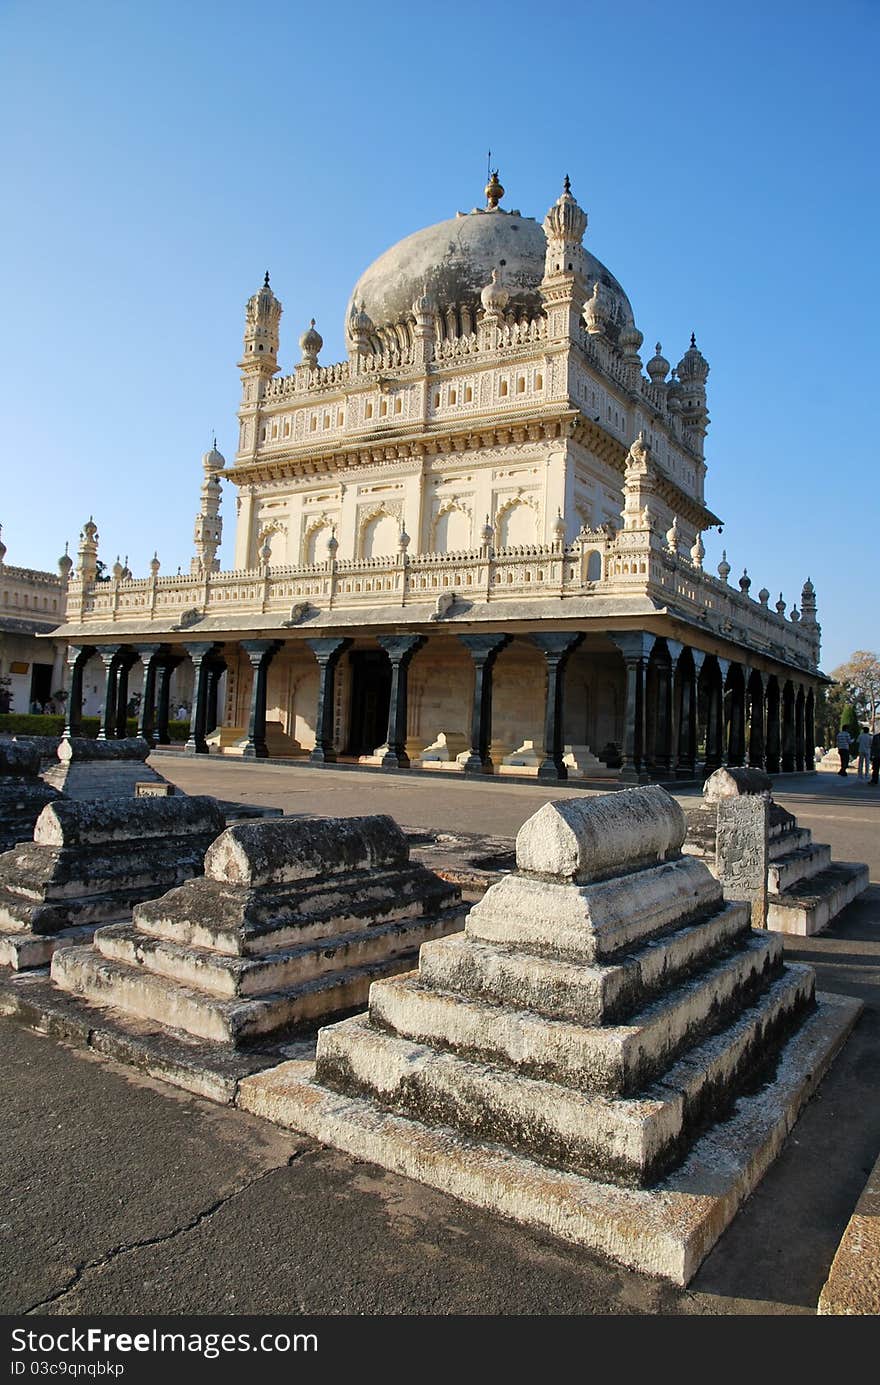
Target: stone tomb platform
[
  {"x": 608, "y": 1051},
  {"x": 23, "y": 795},
  {"x": 89, "y": 770},
  {"x": 292, "y": 922},
  {"x": 89, "y": 863}
]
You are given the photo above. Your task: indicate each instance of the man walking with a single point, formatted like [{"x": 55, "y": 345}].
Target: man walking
[
  {"x": 864, "y": 748},
  {"x": 844, "y": 741},
  {"x": 875, "y": 757}
]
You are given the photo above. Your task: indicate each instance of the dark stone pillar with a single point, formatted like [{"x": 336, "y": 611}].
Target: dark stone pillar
[
  {"x": 148, "y": 655},
  {"x": 773, "y": 749},
  {"x": 810, "y": 732},
  {"x": 635, "y": 646},
  {"x": 756, "y": 724},
  {"x": 689, "y": 769},
  {"x": 663, "y": 725},
  {"x": 215, "y": 673},
  {"x": 736, "y": 731},
  {"x": 110, "y": 660},
  {"x": 556, "y": 647},
  {"x": 261, "y": 653},
  {"x": 165, "y": 668},
  {"x": 799, "y": 751},
  {"x": 484, "y": 650},
  {"x": 400, "y": 650},
  {"x": 788, "y": 754},
  {"x": 715, "y": 719},
  {"x": 77, "y": 658},
  {"x": 672, "y": 742},
  {"x": 127, "y": 658},
  {"x": 327, "y": 652},
  {"x": 201, "y": 655}
]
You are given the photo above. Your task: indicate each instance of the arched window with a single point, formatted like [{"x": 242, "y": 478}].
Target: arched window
[
  {"x": 518, "y": 526},
  {"x": 452, "y": 533},
  {"x": 380, "y": 536},
  {"x": 594, "y": 567}
]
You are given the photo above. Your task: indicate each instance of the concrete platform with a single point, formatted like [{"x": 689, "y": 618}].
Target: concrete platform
[
  {"x": 853, "y": 1283},
  {"x": 665, "y": 1231}
]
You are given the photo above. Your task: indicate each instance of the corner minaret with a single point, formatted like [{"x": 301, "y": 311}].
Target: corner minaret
[
  {"x": 258, "y": 364},
  {"x": 692, "y": 371},
  {"x": 87, "y": 554},
  {"x": 564, "y": 286},
  {"x": 209, "y": 525}
]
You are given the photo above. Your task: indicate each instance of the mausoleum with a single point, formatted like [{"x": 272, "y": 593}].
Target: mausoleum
[{"x": 478, "y": 537}]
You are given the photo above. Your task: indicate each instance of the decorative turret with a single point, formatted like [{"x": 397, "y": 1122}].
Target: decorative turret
[
  {"x": 262, "y": 316},
  {"x": 360, "y": 330},
  {"x": 745, "y": 582},
  {"x": 310, "y": 344},
  {"x": 87, "y": 556},
  {"x": 658, "y": 366},
  {"x": 564, "y": 286},
  {"x": 780, "y": 605},
  {"x": 808, "y": 603},
  {"x": 724, "y": 566},
  {"x": 672, "y": 536},
  {"x": 693, "y": 369},
  {"x": 630, "y": 341},
  {"x": 65, "y": 565},
  {"x": 423, "y": 309},
  {"x": 494, "y": 192},
  {"x": 639, "y": 486},
  {"x": 209, "y": 525},
  {"x": 763, "y": 596},
  {"x": 598, "y": 310},
  {"x": 698, "y": 552},
  {"x": 494, "y": 297}
]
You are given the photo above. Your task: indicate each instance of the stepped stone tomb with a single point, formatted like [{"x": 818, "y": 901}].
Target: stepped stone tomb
[
  {"x": 292, "y": 922},
  {"x": 89, "y": 863},
  {"x": 89, "y": 769},
  {"x": 608, "y": 1051},
  {"x": 756, "y": 849},
  {"x": 23, "y": 795}
]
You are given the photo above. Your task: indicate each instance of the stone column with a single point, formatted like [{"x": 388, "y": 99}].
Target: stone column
[
  {"x": 201, "y": 657},
  {"x": 736, "y": 731},
  {"x": 715, "y": 720},
  {"x": 788, "y": 753},
  {"x": 77, "y": 658},
  {"x": 484, "y": 650},
  {"x": 165, "y": 667},
  {"x": 635, "y": 646},
  {"x": 120, "y": 726},
  {"x": 400, "y": 650},
  {"x": 556, "y": 647},
  {"x": 110, "y": 660},
  {"x": 810, "y": 732},
  {"x": 799, "y": 753},
  {"x": 147, "y": 653},
  {"x": 689, "y": 731},
  {"x": 327, "y": 652},
  {"x": 756, "y": 728},
  {"x": 261, "y": 653},
  {"x": 773, "y": 700},
  {"x": 214, "y": 675},
  {"x": 671, "y": 735}
]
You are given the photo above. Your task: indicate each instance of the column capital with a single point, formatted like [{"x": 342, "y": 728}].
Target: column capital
[
  {"x": 400, "y": 647},
  {"x": 633, "y": 644},
  {"x": 484, "y": 647},
  {"x": 146, "y": 652},
  {"x": 676, "y": 649},
  {"x": 327, "y": 650},
  {"x": 200, "y": 651},
  {"x": 556, "y": 644},
  {"x": 699, "y": 658},
  {"x": 723, "y": 667},
  {"x": 258, "y": 649}
]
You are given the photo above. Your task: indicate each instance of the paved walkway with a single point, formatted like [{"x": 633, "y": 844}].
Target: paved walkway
[{"x": 122, "y": 1195}]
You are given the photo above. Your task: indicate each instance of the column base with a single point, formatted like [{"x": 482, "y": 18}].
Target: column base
[
  {"x": 549, "y": 769},
  {"x": 320, "y": 756},
  {"x": 255, "y": 751},
  {"x": 634, "y": 776},
  {"x": 475, "y": 766},
  {"x": 192, "y": 748},
  {"x": 393, "y": 759}
]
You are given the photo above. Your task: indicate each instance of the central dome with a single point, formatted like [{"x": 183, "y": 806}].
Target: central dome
[{"x": 453, "y": 262}]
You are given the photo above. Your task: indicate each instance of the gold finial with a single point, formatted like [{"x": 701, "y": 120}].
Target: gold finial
[{"x": 494, "y": 191}]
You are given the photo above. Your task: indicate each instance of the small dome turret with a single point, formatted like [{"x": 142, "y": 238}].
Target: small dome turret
[
  {"x": 213, "y": 460},
  {"x": 494, "y": 297},
  {"x": 724, "y": 566},
  {"x": 310, "y": 344},
  {"x": 658, "y": 366},
  {"x": 65, "y": 564},
  {"x": 693, "y": 368}
]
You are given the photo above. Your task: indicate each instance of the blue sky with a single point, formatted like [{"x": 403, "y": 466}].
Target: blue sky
[{"x": 158, "y": 158}]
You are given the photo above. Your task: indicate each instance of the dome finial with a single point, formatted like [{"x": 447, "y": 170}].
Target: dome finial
[
  {"x": 494, "y": 191},
  {"x": 566, "y": 184},
  {"x": 693, "y": 339},
  {"x": 266, "y": 280}
]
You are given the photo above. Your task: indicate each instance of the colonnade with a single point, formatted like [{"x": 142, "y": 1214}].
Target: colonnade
[{"x": 686, "y": 712}]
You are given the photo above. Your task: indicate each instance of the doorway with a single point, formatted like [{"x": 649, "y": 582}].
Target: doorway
[{"x": 370, "y": 700}]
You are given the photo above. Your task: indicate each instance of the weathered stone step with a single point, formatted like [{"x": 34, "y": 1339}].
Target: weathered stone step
[
  {"x": 236, "y": 1021},
  {"x": 610, "y": 1059},
  {"x": 810, "y": 906},
  {"x": 581, "y": 993},
  {"x": 785, "y": 871},
  {"x": 44, "y": 918},
  {"x": 20, "y": 951},
  {"x": 590, "y": 922},
  {"x": 623, "y": 1139},
  {"x": 250, "y": 922},
  {"x": 782, "y": 844},
  {"x": 222, "y": 975}
]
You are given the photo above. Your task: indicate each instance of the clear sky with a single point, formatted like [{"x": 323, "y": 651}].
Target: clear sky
[{"x": 157, "y": 158}]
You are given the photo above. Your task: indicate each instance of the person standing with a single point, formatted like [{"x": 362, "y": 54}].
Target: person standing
[
  {"x": 864, "y": 748},
  {"x": 844, "y": 741},
  {"x": 875, "y": 757}
]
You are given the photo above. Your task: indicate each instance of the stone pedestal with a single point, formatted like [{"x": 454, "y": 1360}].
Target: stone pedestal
[
  {"x": 89, "y": 863},
  {"x": 23, "y": 795},
  {"x": 525, "y": 760},
  {"x": 581, "y": 763},
  {"x": 448, "y": 750},
  {"x": 587, "y": 1056},
  {"x": 292, "y": 922}
]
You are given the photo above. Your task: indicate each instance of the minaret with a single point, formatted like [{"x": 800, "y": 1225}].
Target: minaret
[
  {"x": 564, "y": 287},
  {"x": 209, "y": 525},
  {"x": 87, "y": 555},
  {"x": 692, "y": 370},
  {"x": 258, "y": 364},
  {"x": 639, "y": 486}
]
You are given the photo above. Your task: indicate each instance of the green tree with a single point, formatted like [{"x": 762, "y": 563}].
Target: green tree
[{"x": 859, "y": 677}]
